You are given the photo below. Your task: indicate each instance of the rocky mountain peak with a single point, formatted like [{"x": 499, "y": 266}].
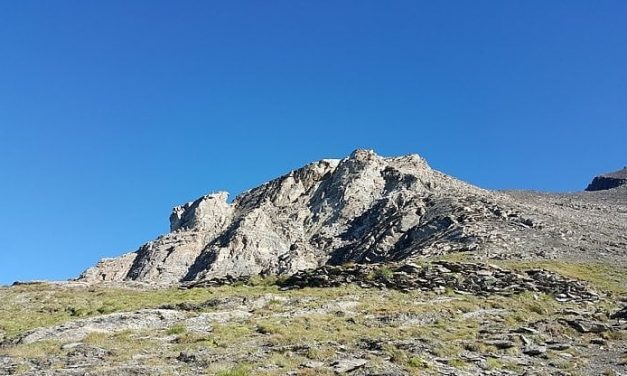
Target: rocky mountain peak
[
  {"x": 363, "y": 208},
  {"x": 208, "y": 211},
  {"x": 363, "y": 154}
]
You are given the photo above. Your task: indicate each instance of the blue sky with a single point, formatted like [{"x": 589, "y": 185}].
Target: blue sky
[{"x": 112, "y": 112}]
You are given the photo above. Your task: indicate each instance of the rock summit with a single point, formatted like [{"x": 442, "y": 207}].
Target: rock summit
[{"x": 363, "y": 209}]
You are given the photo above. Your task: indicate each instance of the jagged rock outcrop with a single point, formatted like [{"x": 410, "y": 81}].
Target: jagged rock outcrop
[
  {"x": 474, "y": 278},
  {"x": 365, "y": 209},
  {"x": 608, "y": 181}
]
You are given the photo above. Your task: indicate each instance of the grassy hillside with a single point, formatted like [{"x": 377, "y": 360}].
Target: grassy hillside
[{"x": 312, "y": 331}]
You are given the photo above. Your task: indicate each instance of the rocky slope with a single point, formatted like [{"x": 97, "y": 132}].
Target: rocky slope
[
  {"x": 366, "y": 208},
  {"x": 608, "y": 181},
  {"x": 394, "y": 319}
]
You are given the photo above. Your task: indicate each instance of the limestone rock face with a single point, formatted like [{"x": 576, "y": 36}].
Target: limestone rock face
[
  {"x": 207, "y": 213},
  {"x": 364, "y": 208},
  {"x": 608, "y": 181},
  {"x": 110, "y": 269}
]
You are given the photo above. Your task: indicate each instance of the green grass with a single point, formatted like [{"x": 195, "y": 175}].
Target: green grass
[
  {"x": 448, "y": 324},
  {"x": 235, "y": 371},
  {"x": 177, "y": 329},
  {"x": 36, "y": 350},
  {"x": 122, "y": 346},
  {"x": 32, "y": 306},
  {"x": 384, "y": 272},
  {"x": 417, "y": 362}
]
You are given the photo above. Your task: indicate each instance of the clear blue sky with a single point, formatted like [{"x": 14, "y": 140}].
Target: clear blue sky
[{"x": 112, "y": 112}]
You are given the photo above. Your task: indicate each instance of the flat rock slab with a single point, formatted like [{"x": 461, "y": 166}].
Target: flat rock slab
[
  {"x": 348, "y": 365},
  {"x": 147, "y": 319},
  {"x": 583, "y": 326},
  {"x": 76, "y": 331}
]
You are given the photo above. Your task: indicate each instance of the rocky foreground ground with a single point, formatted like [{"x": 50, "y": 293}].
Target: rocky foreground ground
[{"x": 437, "y": 317}]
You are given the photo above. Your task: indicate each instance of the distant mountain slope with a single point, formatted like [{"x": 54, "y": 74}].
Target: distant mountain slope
[
  {"x": 609, "y": 180},
  {"x": 367, "y": 208}
]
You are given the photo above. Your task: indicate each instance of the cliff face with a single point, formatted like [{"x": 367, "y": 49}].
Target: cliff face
[
  {"x": 608, "y": 181},
  {"x": 364, "y": 208}
]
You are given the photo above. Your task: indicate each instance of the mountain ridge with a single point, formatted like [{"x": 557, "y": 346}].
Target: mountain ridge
[
  {"x": 609, "y": 180},
  {"x": 363, "y": 208}
]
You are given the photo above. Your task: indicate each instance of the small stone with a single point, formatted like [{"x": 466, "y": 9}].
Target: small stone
[
  {"x": 526, "y": 330},
  {"x": 313, "y": 364},
  {"x": 562, "y": 298},
  {"x": 347, "y": 365},
  {"x": 500, "y": 344},
  {"x": 71, "y": 345},
  {"x": 534, "y": 350},
  {"x": 410, "y": 268},
  {"x": 588, "y": 326},
  {"x": 620, "y": 315},
  {"x": 186, "y": 357},
  {"x": 525, "y": 340},
  {"x": 559, "y": 346}
]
